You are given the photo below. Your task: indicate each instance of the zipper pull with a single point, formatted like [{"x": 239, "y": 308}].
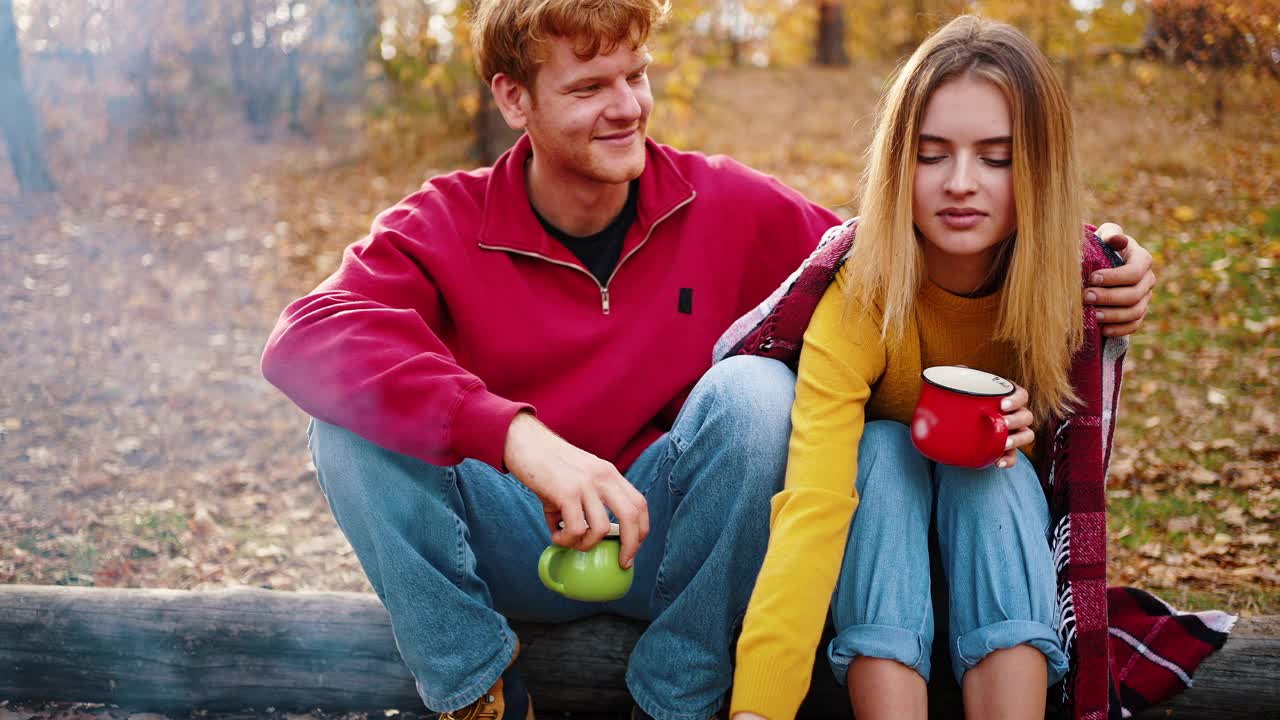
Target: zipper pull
[{"x": 604, "y": 300}]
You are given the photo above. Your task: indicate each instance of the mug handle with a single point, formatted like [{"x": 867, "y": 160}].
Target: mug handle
[
  {"x": 544, "y": 568},
  {"x": 1001, "y": 430}
]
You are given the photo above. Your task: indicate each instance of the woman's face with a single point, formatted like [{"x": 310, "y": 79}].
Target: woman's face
[{"x": 962, "y": 201}]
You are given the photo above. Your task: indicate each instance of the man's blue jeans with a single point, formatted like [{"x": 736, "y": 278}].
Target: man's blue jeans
[
  {"x": 991, "y": 526},
  {"x": 453, "y": 551}
]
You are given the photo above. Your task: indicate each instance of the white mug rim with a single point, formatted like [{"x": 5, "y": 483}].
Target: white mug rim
[{"x": 950, "y": 388}]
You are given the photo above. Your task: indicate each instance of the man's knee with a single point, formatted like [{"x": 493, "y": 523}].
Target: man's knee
[
  {"x": 348, "y": 466},
  {"x": 328, "y": 440},
  {"x": 753, "y": 397}
]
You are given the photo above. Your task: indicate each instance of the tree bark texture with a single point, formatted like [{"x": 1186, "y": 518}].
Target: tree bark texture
[
  {"x": 18, "y": 119},
  {"x": 174, "y": 651}
]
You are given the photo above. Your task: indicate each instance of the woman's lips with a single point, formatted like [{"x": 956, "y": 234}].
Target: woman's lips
[{"x": 961, "y": 220}]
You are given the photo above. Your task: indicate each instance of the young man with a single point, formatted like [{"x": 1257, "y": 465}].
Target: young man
[{"x": 529, "y": 344}]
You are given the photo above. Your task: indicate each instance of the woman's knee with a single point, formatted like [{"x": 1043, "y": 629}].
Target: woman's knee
[
  {"x": 993, "y": 495},
  {"x": 889, "y": 462}
]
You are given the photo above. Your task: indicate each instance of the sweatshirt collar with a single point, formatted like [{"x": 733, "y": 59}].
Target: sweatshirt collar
[{"x": 509, "y": 222}]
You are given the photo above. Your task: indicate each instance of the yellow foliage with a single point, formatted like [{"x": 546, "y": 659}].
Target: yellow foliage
[{"x": 469, "y": 104}]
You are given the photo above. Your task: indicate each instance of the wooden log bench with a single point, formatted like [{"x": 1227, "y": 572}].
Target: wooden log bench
[{"x": 229, "y": 650}]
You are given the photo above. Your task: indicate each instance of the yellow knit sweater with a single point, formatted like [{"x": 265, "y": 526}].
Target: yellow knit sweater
[{"x": 846, "y": 376}]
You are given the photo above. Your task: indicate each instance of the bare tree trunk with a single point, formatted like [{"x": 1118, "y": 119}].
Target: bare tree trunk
[
  {"x": 830, "y": 43},
  {"x": 489, "y": 131},
  {"x": 1219, "y": 97},
  {"x": 18, "y": 120},
  {"x": 293, "y": 73}
]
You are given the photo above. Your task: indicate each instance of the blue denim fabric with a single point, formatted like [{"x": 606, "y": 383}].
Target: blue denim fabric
[
  {"x": 991, "y": 526},
  {"x": 452, "y": 552}
]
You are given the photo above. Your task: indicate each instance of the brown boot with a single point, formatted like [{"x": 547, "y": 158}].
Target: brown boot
[{"x": 506, "y": 700}]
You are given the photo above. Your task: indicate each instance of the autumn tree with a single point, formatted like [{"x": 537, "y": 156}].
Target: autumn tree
[
  {"x": 1209, "y": 37},
  {"x": 18, "y": 121}
]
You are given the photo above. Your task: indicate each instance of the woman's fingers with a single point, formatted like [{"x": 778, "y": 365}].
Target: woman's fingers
[
  {"x": 1007, "y": 460},
  {"x": 1018, "y": 418},
  {"x": 1020, "y": 439},
  {"x": 1018, "y": 399}
]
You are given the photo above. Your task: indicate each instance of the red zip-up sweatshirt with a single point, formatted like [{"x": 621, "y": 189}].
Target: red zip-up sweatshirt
[{"x": 458, "y": 310}]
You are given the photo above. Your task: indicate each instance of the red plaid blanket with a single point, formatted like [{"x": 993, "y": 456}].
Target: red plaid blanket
[{"x": 1142, "y": 651}]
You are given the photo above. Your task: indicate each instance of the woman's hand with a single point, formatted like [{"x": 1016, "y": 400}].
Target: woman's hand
[
  {"x": 1122, "y": 294},
  {"x": 1019, "y": 419},
  {"x": 747, "y": 716}
]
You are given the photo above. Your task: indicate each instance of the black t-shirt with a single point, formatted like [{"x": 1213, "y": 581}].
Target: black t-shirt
[{"x": 599, "y": 252}]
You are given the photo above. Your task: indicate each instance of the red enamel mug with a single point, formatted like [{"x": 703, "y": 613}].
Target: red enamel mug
[{"x": 958, "y": 420}]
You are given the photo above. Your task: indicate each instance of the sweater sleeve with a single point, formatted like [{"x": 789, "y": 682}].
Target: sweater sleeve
[
  {"x": 362, "y": 351},
  {"x": 842, "y": 357}
]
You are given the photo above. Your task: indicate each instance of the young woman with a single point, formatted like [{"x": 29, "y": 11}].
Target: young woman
[{"x": 968, "y": 252}]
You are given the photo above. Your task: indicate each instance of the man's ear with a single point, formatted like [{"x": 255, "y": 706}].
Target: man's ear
[{"x": 513, "y": 100}]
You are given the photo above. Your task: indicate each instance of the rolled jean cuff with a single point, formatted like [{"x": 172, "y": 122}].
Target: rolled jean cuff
[
  {"x": 973, "y": 646},
  {"x": 878, "y": 641}
]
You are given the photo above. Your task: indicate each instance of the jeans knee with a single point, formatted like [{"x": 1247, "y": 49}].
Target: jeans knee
[
  {"x": 885, "y": 437},
  {"x": 759, "y": 383},
  {"x": 349, "y": 466},
  {"x": 332, "y": 447},
  {"x": 992, "y": 491},
  {"x": 750, "y": 399},
  {"x": 886, "y": 451}
]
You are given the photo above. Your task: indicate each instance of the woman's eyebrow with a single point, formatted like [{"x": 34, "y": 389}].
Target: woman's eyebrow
[{"x": 1001, "y": 140}]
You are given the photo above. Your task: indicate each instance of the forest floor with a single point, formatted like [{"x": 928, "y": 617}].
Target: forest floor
[{"x": 140, "y": 446}]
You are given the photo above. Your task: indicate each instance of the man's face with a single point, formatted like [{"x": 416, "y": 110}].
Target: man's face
[{"x": 588, "y": 117}]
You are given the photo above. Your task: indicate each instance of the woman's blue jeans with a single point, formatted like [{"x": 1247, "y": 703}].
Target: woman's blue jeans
[
  {"x": 991, "y": 527},
  {"x": 452, "y": 552}
]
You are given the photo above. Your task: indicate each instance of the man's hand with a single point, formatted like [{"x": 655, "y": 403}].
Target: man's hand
[
  {"x": 1121, "y": 294},
  {"x": 576, "y": 488},
  {"x": 1019, "y": 419}
]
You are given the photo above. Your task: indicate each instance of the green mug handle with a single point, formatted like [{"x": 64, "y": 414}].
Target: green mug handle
[{"x": 544, "y": 568}]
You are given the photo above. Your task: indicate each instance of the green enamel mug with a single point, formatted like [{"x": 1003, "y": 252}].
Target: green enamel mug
[{"x": 593, "y": 576}]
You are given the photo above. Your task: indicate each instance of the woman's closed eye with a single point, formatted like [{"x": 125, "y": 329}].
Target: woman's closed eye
[{"x": 998, "y": 162}]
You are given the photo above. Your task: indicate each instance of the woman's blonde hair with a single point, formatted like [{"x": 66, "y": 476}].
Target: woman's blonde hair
[
  {"x": 1040, "y": 314},
  {"x": 509, "y": 36}
]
